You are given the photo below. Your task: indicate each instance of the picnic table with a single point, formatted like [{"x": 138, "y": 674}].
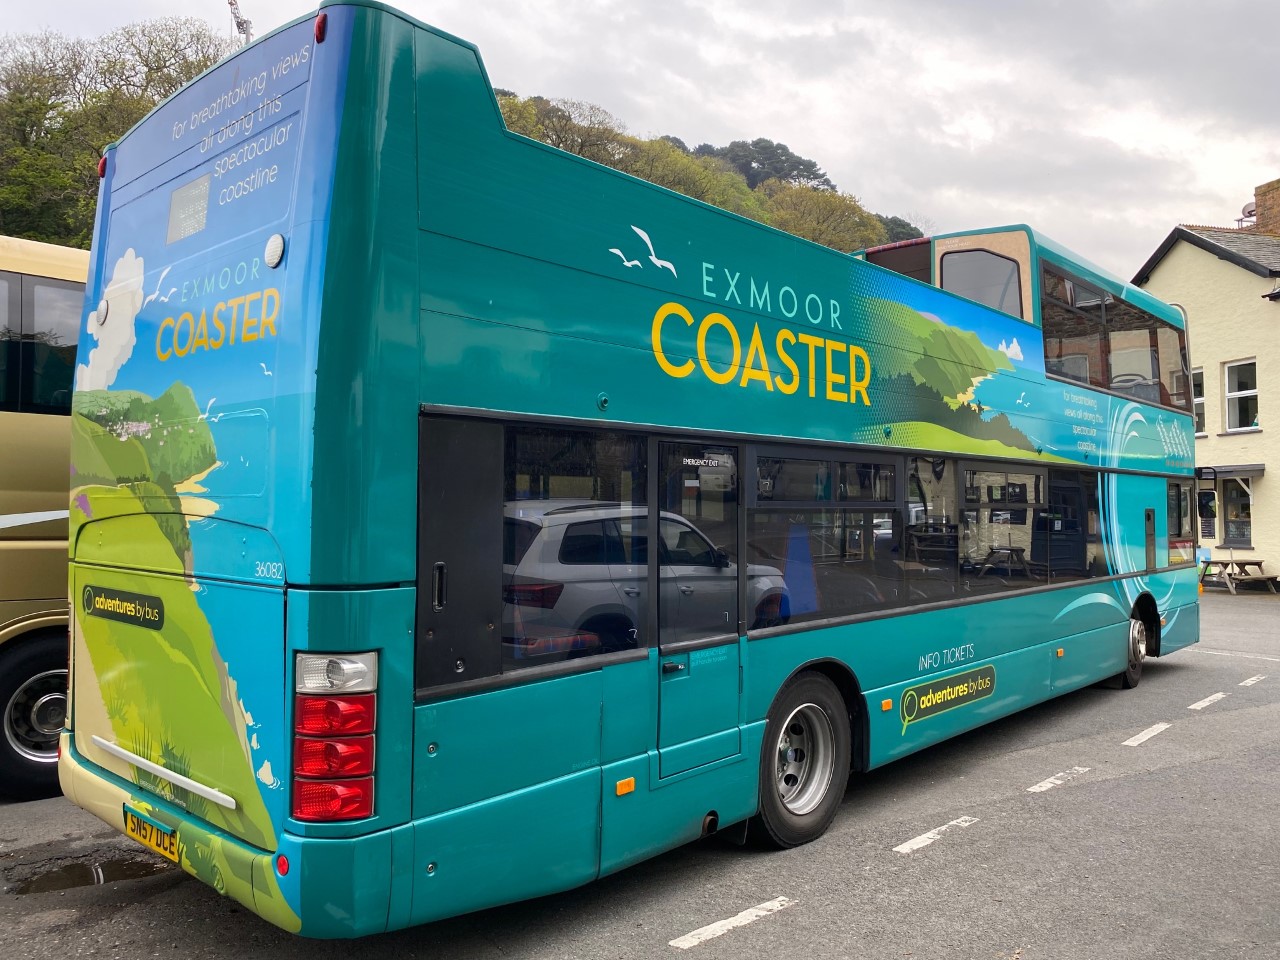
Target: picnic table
[{"x": 1231, "y": 572}]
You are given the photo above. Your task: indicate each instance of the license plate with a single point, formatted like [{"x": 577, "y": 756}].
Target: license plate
[{"x": 151, "y": 835}]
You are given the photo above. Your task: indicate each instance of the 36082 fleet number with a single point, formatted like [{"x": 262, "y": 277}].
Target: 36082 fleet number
[{"x": 268, "y": 570}]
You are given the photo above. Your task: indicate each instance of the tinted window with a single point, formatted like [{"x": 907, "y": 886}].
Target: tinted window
[
  {"x": 51, "y": 322},
  {"x": 594, "y": 542},
  {"x": 10, "y": 338},
  {"x": 517, "y": 535},
  {"x": 584, "y": 491},
  {"x": 985, "y": 277}
]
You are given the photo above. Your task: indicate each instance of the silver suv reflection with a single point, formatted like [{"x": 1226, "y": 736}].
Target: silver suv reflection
[{"x": 575, "y": 581}]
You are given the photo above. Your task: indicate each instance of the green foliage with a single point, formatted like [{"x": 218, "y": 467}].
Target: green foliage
[
  {"x": 62, "y": 100},
  {"x": 896, "y": 229},
  {"x": 704, "y": 178},
  {"x": 760, "y": 179},
  {"x": 824, "y": 216},
  {"x": 762, "y": 159}
]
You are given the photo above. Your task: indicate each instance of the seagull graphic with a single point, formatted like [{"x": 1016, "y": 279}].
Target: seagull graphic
[
  {"x": 623, "y": 257},
  {"x": 264, "y": 368},
  {"x": 653, "y": 257},
  {"x": 165, "y": 298},
  {"x": 205, "y": 415},
  {"x": 1022, "y": 401}
]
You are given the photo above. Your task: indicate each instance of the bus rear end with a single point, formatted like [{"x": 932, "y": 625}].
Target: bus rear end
[{"x": 200, "y": 724}]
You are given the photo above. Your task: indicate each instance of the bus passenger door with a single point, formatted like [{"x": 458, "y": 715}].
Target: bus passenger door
[{"x": 697, "y": 606}]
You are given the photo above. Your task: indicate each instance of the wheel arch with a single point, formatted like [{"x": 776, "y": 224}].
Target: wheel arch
[
  {"x": 850, "y": 689},
  {"x": 1145, "y": 609}
]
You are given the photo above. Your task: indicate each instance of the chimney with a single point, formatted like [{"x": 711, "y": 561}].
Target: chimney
[{"x": 1267, "y": 200}]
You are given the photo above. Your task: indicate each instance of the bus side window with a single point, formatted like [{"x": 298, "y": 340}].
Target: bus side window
[{"x": 51, "y": 322}]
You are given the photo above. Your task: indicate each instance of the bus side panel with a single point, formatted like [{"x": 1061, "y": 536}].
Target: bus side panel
[
  {"x": 928, "y": 710},
  {"x": 1182, "y": 624},
  {"x": 526, "y": 844},
  {"x": 660, "y": 814},
  {"x": 487, "y": 745}
]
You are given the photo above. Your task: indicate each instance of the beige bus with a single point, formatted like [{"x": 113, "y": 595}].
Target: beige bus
[{"x": 41, "y": 301}]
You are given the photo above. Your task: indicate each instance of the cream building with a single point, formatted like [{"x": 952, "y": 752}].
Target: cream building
[{"x": 1227, "y": 282}]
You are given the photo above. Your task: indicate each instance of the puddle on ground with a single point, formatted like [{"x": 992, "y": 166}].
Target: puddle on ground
[{"x": 89, "y": 874}]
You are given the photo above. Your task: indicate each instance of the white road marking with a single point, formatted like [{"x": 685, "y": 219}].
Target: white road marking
[
  {"x": 713, "y": 930},
  {"x": 1201, "y": 704},
  {"x": 1147, "y": 734},
  {"x": 927, "y": 838},
  {"x": 1252, "y": 680},
  {"x": 1057, "y": 780},
  {"x": 1232, "y": 653}
]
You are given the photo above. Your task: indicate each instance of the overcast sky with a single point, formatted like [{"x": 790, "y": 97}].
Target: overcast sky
[{"x": 1103, "y": 124}]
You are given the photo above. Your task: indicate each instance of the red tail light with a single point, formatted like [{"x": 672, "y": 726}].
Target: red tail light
[
  {"x": 334, "y": 747},
  {"x": 533, "y": 594},
  {"x": 335, "y": 757},
  {"x": 327, "y": 716},
  {"x": 333, "y": 799}
]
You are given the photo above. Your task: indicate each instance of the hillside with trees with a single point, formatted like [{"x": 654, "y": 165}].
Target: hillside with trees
[{"x": 63, "y": 99}]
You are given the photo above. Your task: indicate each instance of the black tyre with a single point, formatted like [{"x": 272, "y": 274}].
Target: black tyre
[
  {"x": 33, "y": 696},
  {"x": 1132, "y": 674},
  {"x": 804, "y": 763}
]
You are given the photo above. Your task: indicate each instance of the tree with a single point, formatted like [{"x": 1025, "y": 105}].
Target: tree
[
  {"x": 762, "y": 160},
  {"x": 62, "y": 100},
  {"x": 581, "y": 128},
  {"x": 832, "y": 219},
  {"x": 704, "y": 178},
  {"x": 897, "y": 229}
]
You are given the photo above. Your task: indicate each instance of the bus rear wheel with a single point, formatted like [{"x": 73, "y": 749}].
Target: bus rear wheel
[
  {"x": 804, "y": 763},
  {"x": 33, "y": 696}
]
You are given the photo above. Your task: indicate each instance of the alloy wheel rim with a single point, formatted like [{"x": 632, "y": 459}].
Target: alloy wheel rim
[{"x": 805, "y": 759}]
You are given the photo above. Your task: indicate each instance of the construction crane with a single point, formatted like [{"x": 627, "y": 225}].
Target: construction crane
[{"x": 244, "y": 27}]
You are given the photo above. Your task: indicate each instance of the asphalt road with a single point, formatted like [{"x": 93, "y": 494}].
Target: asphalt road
[{"x": 1165, "y": 847}]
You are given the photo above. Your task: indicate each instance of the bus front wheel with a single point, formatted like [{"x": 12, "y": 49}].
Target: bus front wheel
[
  {"x": 804, "y": 763},
  {"x": 33, "y": 696},
  {"x": 1136, "y": 655}
]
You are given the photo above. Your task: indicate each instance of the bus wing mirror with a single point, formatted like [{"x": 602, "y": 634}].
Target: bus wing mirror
[{"x": 1207, "y": 504}]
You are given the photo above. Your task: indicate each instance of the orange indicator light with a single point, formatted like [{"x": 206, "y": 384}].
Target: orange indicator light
[
  {"x": 1060, "y": 652},
  {"x": 626, "y": 786},
  {"x": 886, "y": 705}
]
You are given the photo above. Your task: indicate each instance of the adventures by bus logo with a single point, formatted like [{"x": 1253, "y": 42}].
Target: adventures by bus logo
[
  {"x": 938, "y": 696},
  {"x": 136, "y": 609}
]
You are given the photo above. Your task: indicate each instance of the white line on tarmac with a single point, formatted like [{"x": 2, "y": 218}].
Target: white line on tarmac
[
  {"x": 927, "y": 838},
  {"x": 1057, "y": 780},
  {"x": 1233, "y": 653},
  {"x": 713, "y": 930},
  {"x": 1146, "y": 734},
  {"x": 1201, "y": 704},
  {"x": 1252, "y": 680}
]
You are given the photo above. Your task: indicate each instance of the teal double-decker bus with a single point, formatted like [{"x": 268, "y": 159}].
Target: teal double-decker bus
[{"x": 456, "y": 521}]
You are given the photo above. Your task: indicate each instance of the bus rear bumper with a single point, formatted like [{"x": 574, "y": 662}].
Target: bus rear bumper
[{"x": 345, "y": 884}]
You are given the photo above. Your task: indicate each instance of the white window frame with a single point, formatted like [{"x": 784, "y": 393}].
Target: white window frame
[
  {"x": 1197, "y": 404},
  {"x": 1228, "y": 396}
]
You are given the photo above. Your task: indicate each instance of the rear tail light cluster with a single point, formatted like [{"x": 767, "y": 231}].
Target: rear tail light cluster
[
  {"x": 532, "y": 594},
  {"x": 334, "y": 719}
]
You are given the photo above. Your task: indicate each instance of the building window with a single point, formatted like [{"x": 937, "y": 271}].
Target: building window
[
  {"x": 1242, "y": 395},
  {"x": 1197, "y": 400},
  {"x": 1238, "y": 503}
]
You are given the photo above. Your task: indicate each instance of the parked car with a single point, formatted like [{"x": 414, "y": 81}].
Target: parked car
[{"x": 575, "y": 575}]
